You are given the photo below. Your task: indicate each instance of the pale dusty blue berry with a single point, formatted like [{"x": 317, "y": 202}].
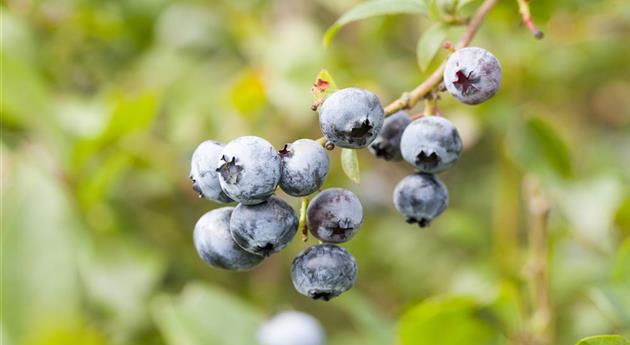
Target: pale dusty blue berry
[
  {"x": 351, "y": 118},
  {"x": 472, "y": 75},
  {"x": 420, "y": 198},
  {"x": 215, "y": 245},
  {"x": 323, "y": 271},
  {"x": 264, "y": 228},
  {"x": 431, "y": 144},
  {"x": 291, "y": 328},
  {"x": 249, "y": 169},
  {"x": 387, "y": 143},
  {"x": 205, "y": 179},
  {"x": 334, "y": 215},
  {"x": 304, "y": 167}
]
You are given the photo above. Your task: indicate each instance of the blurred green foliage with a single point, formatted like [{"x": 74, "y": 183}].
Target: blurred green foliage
[{"x": 103, "y": 102}]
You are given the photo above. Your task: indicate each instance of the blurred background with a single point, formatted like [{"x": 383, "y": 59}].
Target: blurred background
[{"x": 103, "y": 103}]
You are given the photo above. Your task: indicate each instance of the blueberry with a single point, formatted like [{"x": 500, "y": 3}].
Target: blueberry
[
  {"x": 472, "y": 75},
  {"x": 420, "y": 198},
  {"x": 249, "y": 169},
  {"x": 431, "y": 143},
  {"x": 205, "y": 179},
  {"x": 265, "y": 228},
  {"x": 351, "y": 118},
  {"x": 387, "y": 143},
  {"x": 304, "y": 167},
  {"x": 323, "y": 271},
  {"x": 334, "y": 215},
  {"x": 291, "y": 328},
  {"x": 215, "y": 245}
]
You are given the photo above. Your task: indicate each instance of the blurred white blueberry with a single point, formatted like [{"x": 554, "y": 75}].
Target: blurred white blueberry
[{"x": 291, "y": 328}]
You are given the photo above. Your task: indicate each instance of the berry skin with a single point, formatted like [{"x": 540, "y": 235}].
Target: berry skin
[
  {"x": 351, "y": 118},
  {"x": 472, "y": 75},
  {"x": 215, "y": 245},
  {"x": 420, "y": 198},
  {"x": 265, "y": 228},
  {"x": 323, "y": 271},
  {"x": 387, "y": 143},
  {"x": 291, "y": 328},
  {"x": 249, "y": 169},
  {"x": 203, "y": 175},
  {"x": 334, "y": 215},
  {"x": 304, "y": 167},
  {"x": 431, "y": 144}
]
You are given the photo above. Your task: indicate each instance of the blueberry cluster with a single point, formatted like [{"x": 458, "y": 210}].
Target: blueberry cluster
[
  {"x": 432, "y": 143},
  {"x": 248, "y": 170}
]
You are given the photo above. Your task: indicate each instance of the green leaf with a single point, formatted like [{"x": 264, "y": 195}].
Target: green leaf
[
  {"x": 434, "y": 12},
  {"x": 323, "y": 86},
  {"x": 205, "y": 315},
  {"x": 604, "y": 340},
  {"x": 364, "y": 314},
  {"x": 375, "y": 8},
  {"x": 39, "y": 217},
  {"x": 448, "y": 320},
  {"x": 539, "y": 147},
  {"x": 327, "y": 77},
  {"x": 429, "y": 44},
  {"x": 350, "y": 164},
  {"x": 621, "y": 273}
]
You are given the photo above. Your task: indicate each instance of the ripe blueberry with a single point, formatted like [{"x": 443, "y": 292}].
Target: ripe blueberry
[
  {"x": 215, "y": 245},
  {"x": 420, "y": 198},
  {"x": 431, "y": 143},
  {"x": 323, "y": 271},
  {"x": 249, "y": 169},
  {"x": 334, "y": 215},
  {"x": 387, "y": 143},
  {"x": 291, "y": 328},
  {"x": 203, "y": 175},
  {"x": 472, "y": 75},
  {"x": 351, "y": 118},
  {"x": 304, "y": 167},
  {"x": 264, "y": 228}
]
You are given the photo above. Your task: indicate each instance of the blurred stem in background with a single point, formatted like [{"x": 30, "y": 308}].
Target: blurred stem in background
[{"x": 536, "y": 270}]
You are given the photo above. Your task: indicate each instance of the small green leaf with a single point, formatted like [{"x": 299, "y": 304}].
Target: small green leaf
[
  {"x": 204, "y": 314},
  {"x": 327, "y": 77},
  {"x": 350, "y": 164},
  {"x": 540, "y": 147},
  {"x": 375, "y": 8},
  {"x": 302, "y": 222},
  {"x": 323, "y": 86},
  {"x": 434, "y": 11},
  {"x": 604, "y": 340},
  {"x": 446, "y": 320},
  {"x": 429, "y": 44}
]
